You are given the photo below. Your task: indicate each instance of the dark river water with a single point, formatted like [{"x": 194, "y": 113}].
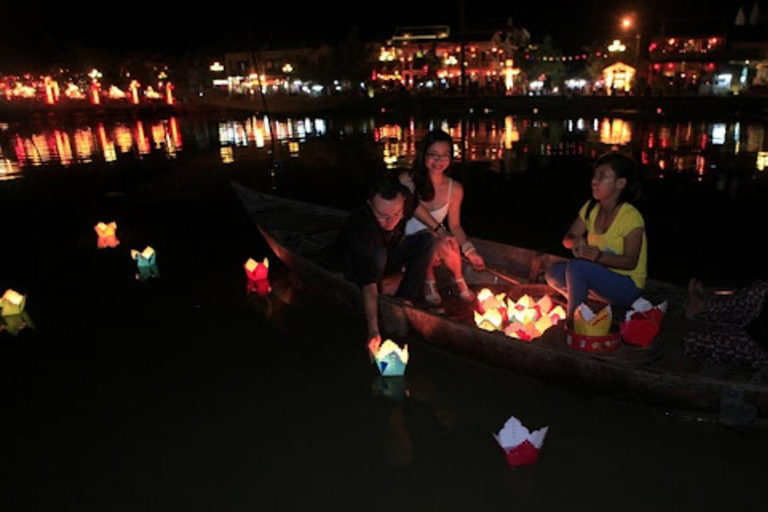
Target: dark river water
[
  {"x": 703, "y": 182},
  {"x": 183, "y": 393}
]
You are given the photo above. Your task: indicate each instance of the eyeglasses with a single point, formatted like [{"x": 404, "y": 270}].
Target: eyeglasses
[
  {"x": 435, "y": 156},
  {"x": 387, "y": 218}
]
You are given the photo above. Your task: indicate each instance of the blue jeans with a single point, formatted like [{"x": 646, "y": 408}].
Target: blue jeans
[{"x": 576, "y": 277}]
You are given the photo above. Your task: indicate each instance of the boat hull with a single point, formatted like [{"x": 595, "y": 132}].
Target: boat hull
[{"x": 649, "y": 375}]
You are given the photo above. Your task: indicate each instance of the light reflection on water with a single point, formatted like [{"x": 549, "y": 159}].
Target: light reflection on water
[
  {"x": 106, "y": 142},
  {"x": 509, "y": 141},
  {"x": 506, "y": 143}
]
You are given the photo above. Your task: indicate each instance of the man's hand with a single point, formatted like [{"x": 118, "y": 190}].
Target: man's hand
[{"x": 374, "y": 342}]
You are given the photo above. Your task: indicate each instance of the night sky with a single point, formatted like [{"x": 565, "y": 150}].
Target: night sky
[{"x": 203, "y": 25}]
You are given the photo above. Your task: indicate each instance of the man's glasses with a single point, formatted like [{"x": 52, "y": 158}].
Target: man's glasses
[{"x": 387, "y": 218}]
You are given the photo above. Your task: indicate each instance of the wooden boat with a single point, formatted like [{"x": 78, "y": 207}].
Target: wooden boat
[{"x": 298, "y": 232}]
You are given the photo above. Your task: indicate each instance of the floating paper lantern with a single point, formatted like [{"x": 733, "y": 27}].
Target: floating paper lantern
[
  {"x": 15, "y": 323},
  {"x": 642, "y": 322},
  {"x": 521, "y": 447},
  {"x": 107, "y": 236},
  {"x": 146, "y": 262},
  {"x": 257, "y": 276},
  {"x": 12, "y": 303},
  {"x": 390, "y": 359}
]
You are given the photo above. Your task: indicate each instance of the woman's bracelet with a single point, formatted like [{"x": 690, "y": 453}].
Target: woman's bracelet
[
  {"x": 467, "y": 247},
  {"x": 438, "y": 227}
]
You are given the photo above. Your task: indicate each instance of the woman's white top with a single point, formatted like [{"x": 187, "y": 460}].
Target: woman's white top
[{"x": 414, "y": 225}]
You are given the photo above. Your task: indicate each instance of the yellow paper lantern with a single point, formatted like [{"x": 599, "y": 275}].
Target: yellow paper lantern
[{"x": 12, "y": 303}]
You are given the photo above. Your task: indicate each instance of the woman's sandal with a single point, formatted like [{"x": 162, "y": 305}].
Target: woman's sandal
[
  {"x": 465, "y": 293},
  {"x": 430, "y": 293}
]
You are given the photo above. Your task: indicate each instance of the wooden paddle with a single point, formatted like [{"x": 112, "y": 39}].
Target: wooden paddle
[{"x": 497, "y": 273}]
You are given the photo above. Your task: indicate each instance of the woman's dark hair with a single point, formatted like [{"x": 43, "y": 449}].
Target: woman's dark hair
[
  {"x": 420, "y": 174},
  {"x": 625, "y": 167}
]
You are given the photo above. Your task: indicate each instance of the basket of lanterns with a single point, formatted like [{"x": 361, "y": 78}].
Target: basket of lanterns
[{"x": 524, "y": 318}]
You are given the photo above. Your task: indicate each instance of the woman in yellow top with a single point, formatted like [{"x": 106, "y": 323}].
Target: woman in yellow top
[{"x": 607, "y": 239}]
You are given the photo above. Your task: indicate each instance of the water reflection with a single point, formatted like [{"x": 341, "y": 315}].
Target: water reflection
[
  {"x": 506, "y": 143},
  {"x": 105, "y": 142}
]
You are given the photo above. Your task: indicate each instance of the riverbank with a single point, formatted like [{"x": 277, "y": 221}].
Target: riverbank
[
  {"x": 30, "y": 110},
  {"x": 722, "y": 108},
  {"x": 672, "y": 107}
]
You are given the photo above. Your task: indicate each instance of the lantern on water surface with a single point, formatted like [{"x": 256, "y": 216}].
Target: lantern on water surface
[
  {"x": 12, "y": 303},
  {"x": 521, "y": 447},
  {"x": 255, "y": 270},
  {"x": 146, "y": 263},
  {"x": 14, "y": 324},
  {"x": 257, "y": 276},
  {"x": 391, "y": 360},
  {"x": 107, "y": 235}
]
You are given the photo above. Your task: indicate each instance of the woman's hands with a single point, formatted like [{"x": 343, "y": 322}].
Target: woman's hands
[
  {"x": 581, "y": 249},
  {"x": 587, "y": 252},
  {"x": 476, "y": 260},
  {"x": 446, "y": 237}
]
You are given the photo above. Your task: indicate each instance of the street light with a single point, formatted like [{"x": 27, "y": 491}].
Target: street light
[{"x": 629, "y": 22}]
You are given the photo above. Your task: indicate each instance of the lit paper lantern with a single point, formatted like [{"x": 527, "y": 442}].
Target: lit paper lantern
[
  {"x": 107, "y": 236},
  {"x": 557, "y": 314},
  {"x": 146, "y": 263},
  {"x": 12, "y": 303},
  {"x": 588, "y": 323},
  {"x": 642, "y": 322},
  {"x": 257, "y": 276},
  {"x": 488, "y": 300},
  {"x": 390, "y": 359},
  {"x": 521, "y": 447},
  {"x": 491, "y": 320},
  {"x": 15, "y": 323}
]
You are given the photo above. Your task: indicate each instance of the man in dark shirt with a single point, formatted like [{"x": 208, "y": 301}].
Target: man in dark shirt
[{"x": 372, "y": 243}]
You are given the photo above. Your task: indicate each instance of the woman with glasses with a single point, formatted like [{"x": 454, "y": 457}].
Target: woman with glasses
[{"x": 440, "y": 199}]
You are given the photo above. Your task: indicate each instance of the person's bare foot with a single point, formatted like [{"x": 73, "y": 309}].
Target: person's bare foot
[{"x": 696, "y": 305}]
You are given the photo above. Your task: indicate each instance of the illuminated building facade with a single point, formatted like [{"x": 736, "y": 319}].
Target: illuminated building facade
[
  {"x": 722, "y": 56},
  {"x": 287, "y": 70},
  {"x": 431, "y": 58}
]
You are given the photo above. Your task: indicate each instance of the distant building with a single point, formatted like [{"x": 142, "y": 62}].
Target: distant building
[
  {"x": 430, "y": 57},
  {"x": 288, "y": 70},
  {"x": 723, "y": 55}
]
